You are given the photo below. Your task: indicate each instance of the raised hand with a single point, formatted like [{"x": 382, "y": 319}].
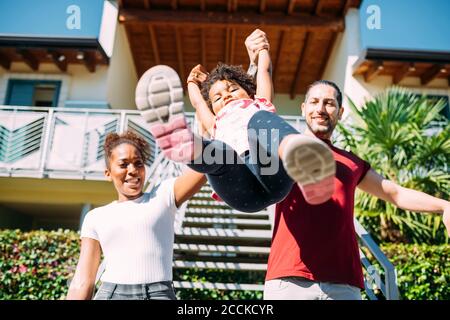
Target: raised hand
[
  {"x": 254, "y": 43},
  {"x": 197, "y": 75}
]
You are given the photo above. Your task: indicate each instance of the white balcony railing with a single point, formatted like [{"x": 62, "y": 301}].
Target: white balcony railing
[{"x": 66, "y": 143}]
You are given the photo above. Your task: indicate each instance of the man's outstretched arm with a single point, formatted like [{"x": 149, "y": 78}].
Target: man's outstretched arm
[{"x": 404, "y": 198}]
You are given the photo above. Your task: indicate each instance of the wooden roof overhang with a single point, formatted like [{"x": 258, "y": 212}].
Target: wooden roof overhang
[
  {"x": 61, "y": 52},
  {"x": 401, "y": 63},
  {"x": 184, "y": 33}
]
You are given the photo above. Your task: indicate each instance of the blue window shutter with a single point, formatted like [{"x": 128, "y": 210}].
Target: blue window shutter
[{"x": 20, "y": 93}]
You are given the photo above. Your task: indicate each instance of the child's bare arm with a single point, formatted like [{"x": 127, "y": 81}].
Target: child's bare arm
[
  {"x": 205, "y": 116},
  {"x": 264, "y": 86},
  {"x": 257, "y": 47}
]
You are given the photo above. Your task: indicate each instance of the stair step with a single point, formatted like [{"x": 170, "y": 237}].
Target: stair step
[
  {"x": 219, "y": 286},
  {"x": 220, "y": 257},
  {"x": 221, "y": 236},
  {"x": 200, "y": 194},
  {"x": 208, "y": 203},
  {"x": 209, "y": 212},
  {"x": 225, "y": 233},
  {"x": 210, "y": 222},
  {"x": 220, "y": 265},
  {"x": 192, "y": 247}
]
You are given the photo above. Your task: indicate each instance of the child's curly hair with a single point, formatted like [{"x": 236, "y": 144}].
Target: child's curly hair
[
  {"x": 230, "y": 73},
  {"x": 113, "y": 140}
]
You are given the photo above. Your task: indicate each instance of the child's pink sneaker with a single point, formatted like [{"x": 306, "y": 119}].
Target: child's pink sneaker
[
  {"x": 310, "y": 162},
  {"x": 159, "y": 95}
]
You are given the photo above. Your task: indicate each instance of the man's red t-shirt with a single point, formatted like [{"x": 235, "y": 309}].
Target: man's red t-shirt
[{"x": 319, "y": 242}]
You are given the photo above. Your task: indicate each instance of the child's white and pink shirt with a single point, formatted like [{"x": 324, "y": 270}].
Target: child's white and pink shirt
[{"x": 232, "y": 121}]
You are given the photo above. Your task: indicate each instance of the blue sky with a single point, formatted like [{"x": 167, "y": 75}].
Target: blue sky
[
  {"x": 408, "y": 24},
  {"x": 47, "y": 18}
]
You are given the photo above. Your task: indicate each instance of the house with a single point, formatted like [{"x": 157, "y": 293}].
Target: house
[{"x": 68, "y": 70}]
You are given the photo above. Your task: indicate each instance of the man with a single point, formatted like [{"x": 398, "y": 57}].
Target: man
[{"x": 314, "y": 253}]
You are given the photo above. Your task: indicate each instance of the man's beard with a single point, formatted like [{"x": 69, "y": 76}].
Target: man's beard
[{"x": 321, "y": 131}]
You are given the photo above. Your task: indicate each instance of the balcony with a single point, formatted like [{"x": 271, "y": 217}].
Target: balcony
[{"x": 65, "y": 143}]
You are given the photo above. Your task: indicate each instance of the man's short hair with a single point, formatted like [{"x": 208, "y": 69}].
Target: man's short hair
[{"x": 328, "y": 83}]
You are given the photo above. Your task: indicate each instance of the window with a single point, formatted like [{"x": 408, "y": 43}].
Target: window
[{"x": 41, "y": 93}]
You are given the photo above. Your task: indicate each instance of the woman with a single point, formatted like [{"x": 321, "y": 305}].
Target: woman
[{"x": 135, "y": 233}]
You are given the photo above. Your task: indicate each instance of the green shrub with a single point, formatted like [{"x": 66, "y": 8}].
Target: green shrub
[
  {"x": 423, "y": 271},
  {"x": 36, "y": 265}
]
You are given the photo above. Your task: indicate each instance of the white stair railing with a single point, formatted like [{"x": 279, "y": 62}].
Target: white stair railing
[{"x": 374, "y": 280}]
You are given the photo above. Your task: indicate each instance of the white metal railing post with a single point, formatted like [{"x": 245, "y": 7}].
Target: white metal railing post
[
  {"x": 122, "y": 124},
  {"x": 389, "y": 288},
  {"x": 48, "y": 131}
]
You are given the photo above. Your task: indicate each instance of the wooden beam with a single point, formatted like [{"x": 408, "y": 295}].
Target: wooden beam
[
  {"x": 147, "y": 4},
  {"x": 174, "y": 4},
  {"x": 291, "y": 6},
  {"x": 58, "y": 60},
  {"x": 401, "y": 73},
  {"x": 89, "y": 61},
  {"x": 232, "y": 5},
  {"x": 229, "y": 5},
  {"x": 203, "y": 5},
  {"x": 203, "y": 46},
  {"x": 5, "y": 61},
  {"x": 304, "y": 23},
  {"x": 262, "y": 6},
  {"x": 327, "y": 54},
  {"x": 232, "y": 44},
  {"x": 29, "y": 58},
  {"x": 154, "y": 44},
  {"x": 358, "y": 63},
  {"x": 430, "y": 74},
  {"x": 299, "y": 66},
  {"x": 319, "y": 7},
  {"x": 133, "y": 53},
  {"x": 281, "y": 44},
  {"x": 179, "y": 48},
  {"x": 227, "y": 45},
  {"x": 373, "y": 71}
]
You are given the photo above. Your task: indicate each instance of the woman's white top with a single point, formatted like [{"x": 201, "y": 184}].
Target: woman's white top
[{"x": 136, "y": 236}]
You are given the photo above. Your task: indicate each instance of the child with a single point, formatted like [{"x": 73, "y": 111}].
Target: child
[
  {"x": 244, "y": 124},
  {"x": 135, "y": 233}
]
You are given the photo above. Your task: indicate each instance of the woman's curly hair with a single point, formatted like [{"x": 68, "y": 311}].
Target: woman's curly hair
[
  {"x": 230, "y": 73},
  {"x": 113, "y": 140}
]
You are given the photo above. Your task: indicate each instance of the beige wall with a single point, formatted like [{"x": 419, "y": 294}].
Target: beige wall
[
  {"x": 87, "y": 86},
  {"x": 122, "y": 76}
]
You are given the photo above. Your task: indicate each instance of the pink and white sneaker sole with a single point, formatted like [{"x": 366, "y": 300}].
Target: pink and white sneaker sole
[
  {"x": 310, "y": 162},
  {"x": 159, "y": 97}
]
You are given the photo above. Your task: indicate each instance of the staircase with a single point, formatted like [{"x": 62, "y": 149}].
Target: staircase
[{"x": 215, "y": 237}]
